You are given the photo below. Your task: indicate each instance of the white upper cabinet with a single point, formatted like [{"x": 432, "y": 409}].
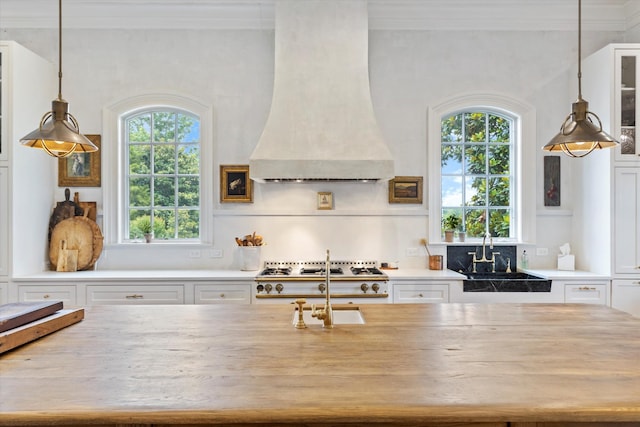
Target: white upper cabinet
[{"x": 626, "y": 104}]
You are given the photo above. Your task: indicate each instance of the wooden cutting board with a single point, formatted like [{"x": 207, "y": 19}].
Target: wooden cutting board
[
  {"x": 32, "y": 331},
  {"x": 17, "y": 314},
  {"x": 81, "y": 234}
]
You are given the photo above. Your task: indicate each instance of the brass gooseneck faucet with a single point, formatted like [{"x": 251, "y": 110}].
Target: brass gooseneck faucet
[
  {"x": 484, "y": 258},
  {"x": 325, "y": 314}
]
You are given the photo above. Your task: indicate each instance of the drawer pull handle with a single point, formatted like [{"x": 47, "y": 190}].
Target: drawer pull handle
[
  {"x": 134, "y": 296},
  {"x": 586, "y": 288}
]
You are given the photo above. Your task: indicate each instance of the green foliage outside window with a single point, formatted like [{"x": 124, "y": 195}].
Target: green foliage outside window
[
  {"x": 163, "y": 179},
  {"x": 476, "y": 171}
]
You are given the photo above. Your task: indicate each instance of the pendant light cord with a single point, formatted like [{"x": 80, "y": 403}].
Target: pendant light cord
[
  {"x": 60, "y": 49},
  {"x": 579, "y": 49}
]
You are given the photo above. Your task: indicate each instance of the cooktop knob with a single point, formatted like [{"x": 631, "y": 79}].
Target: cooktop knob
[
  {"x": 268, "y": 287},
  {"x": 322, "y": 287},
  {"x": 364, "y": 287},
  {"x": 279, "y": 287},
  {"x": 375, "y": 287}
]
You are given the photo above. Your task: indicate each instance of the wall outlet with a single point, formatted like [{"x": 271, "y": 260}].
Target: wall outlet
[
  {"x": 413, "y": 251},
  {"x": 542, "y": 251},
  {"x": 216, "y": 253},
  {"x": 194, "y": 253}
]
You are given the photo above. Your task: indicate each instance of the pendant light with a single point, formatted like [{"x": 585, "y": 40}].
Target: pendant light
[
  {"x": 59, "y": 134},
  {"x": 581, "y": 132}
]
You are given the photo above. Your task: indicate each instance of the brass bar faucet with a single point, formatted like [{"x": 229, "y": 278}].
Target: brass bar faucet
[{"x": 325, "y": 314}]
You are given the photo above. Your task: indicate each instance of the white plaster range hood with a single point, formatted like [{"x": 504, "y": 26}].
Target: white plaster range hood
[{"x": 321, "y": 125}]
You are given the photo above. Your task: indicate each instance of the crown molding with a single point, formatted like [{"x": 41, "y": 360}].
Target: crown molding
[{"x": 441, "y": 15}]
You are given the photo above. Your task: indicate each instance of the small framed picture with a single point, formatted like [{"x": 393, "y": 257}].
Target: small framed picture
[
  {"x": 325, "y": 200},
  {"x": 80, "y": 169},
  {"x": 405, "y": 189},
  {"x": 235, "y": 184}
]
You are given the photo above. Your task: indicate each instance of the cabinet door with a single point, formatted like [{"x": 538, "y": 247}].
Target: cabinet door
[
  {"x": 135, "y": 294},
  {"x": 626, "y": 228},
  {"x": 220, "y": 293},
  {"x": 4, "y": 289},
  {"x": 625, "y": 296},
  {"x": 626, "y": 104},
  {"x": 4, "y": 221},
  {"x": 420, "y": 293},
  {"x": 4, "y": 139}
]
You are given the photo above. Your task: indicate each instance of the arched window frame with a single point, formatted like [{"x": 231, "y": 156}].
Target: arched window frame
[
  {"x": 114, "y": 161},
  {"x": 524, "y": 159}
]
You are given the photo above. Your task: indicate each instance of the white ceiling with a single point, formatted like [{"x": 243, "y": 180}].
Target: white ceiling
[{"x": 598, "y": 15}]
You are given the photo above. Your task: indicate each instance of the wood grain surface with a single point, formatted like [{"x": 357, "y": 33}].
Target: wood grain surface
[{"x": 432, "y": 364}]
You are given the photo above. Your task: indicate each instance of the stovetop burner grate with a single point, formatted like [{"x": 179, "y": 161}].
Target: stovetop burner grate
[{"x": 320, "y": 271}]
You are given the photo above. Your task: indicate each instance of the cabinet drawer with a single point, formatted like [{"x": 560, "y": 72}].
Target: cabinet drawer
[
  {"x": 222, "y": 294},
  {"x": 106, "y": 294},
  {"x": 420, "y": 294},
  {"x": 65, "y": 293},
  {"x": 585, "y": 293}
]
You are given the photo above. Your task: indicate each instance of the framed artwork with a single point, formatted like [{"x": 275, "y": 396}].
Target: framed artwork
[
  {"x": 235, "y": 184},
  {"x": 81, "y": 169},
  {"x": 552, "y": 180},
  {"x": 405, "y": 189},
  {"x": 325, "y": 200}
]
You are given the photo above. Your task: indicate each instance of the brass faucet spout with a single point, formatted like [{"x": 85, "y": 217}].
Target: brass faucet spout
[{"x": 326, "y": 314}]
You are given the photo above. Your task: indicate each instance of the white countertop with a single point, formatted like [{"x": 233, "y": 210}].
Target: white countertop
[
  {"x": 139, "y": 275},
  {"x": 237, "y": 275},
  {"x": 423, "y": 273},
  {"x": 568, "y": 274}
]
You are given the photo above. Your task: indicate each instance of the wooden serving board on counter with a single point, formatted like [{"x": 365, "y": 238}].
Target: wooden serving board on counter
[
  {"x": 17, "y": 314},
  {"x": 16, "y": 337}
]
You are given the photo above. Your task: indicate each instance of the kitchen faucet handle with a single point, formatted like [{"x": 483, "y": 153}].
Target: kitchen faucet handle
[{"x": 300, "y": 322}]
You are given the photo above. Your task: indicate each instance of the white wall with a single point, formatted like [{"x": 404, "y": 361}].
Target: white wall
[{"x": 232, "y": 71}]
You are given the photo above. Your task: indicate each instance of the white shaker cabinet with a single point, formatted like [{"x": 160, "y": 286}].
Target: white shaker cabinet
[
  {"x": 625, "y": 296},
  {"x": 222, "y": 293},
  {"x": 626, "y": 102},
  {"x": 4, "y": 223},
  {"x": 626, "y": 227},
  {"x": 420, "y": 292}
]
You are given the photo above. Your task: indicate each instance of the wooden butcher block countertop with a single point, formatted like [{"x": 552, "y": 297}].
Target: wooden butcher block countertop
[{"x": 429, "y": 364}]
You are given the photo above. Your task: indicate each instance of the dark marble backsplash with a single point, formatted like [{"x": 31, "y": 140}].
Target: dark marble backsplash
[{"x": 458, "y": 258}]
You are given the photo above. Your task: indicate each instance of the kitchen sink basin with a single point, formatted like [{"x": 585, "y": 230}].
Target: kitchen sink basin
[
  {"x": 505, "y": 282},
  {"x": 341, "y": 316},
  {"x": 501, "y": 275}
]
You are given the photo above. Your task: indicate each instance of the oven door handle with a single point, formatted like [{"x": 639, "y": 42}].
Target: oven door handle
[{"x": 267, "y": 296}]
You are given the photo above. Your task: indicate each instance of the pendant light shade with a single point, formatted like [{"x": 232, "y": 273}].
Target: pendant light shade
[
  {"x": 59, "y": 134},
  {"x": 581, "y": 132}
]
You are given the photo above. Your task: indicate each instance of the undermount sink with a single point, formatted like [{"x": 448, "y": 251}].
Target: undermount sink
[
  {"x": 502, "y": 275},
  {"x": 341, "y": 316},
  {"x": 505, "y": 282}
]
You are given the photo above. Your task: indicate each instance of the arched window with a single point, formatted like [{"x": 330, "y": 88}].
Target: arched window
[
  {"x": 482, "y": 164},
  {"x": 162, "y": 179},
  {"x": 156, "y": 170},
  {"x": 477, "y": 167}
]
